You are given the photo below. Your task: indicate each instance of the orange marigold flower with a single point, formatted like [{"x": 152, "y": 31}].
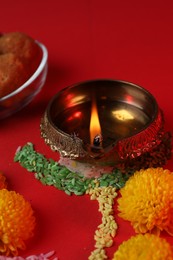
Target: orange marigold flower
[
  {"x": 147, "y": 201},
  {"x": 144, "y": 247},
  {"x": 17, "y": 222},
  {"x": 3, "y": 183}
]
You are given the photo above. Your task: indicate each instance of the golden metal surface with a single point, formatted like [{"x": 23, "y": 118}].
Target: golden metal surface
[{"x": 130, "y": 119}]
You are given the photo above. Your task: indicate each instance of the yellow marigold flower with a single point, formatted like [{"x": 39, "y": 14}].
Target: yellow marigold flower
[
  {"x": 3, "y": 183},
  {"x": 17, "y": 222},
  {"x": 147, "y": 201},
  {"x": 144, "y": 247}
]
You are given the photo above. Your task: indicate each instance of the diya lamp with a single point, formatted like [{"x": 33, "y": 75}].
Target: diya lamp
[{"x": 100, "y": 125}]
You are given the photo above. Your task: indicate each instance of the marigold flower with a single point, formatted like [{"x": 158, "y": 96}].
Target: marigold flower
[
  {"x": 144, "y": 247},
  {"x": 147, "y": 201},
  {"x": 17, "y": 222},
  {"x": 3, "y": 183}
]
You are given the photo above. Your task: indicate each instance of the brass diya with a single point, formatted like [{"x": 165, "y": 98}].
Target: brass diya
[{"x": 103, "y": 122}]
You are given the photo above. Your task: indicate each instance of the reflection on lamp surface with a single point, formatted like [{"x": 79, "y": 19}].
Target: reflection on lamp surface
[{"x": 122, "y": 114}]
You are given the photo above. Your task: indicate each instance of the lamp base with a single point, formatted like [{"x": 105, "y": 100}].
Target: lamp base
[{"x": 157, "y": 157}]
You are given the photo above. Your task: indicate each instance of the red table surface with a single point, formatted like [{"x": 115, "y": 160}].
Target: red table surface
[{"x": 88, "y": 39}]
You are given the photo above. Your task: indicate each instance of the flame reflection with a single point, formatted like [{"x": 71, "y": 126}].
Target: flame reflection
[
  {"x": 123, "y": 115},
  {"x": 72, "y": 99}
]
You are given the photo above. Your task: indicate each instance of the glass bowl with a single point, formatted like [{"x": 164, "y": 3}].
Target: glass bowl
[{"x": 23, "y": 95}]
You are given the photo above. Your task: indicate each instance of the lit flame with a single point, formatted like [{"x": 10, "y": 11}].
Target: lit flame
[{"x": 95, "y": 128}]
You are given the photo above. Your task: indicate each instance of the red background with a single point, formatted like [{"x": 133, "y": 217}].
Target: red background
[{"x": 88, "y": 39}]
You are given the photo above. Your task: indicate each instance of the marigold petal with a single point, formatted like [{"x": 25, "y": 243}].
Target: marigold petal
[
  {"x": 17, "y": 222},
  {"x": 147, "y": 201},
  {"x": 144, "y": 247}
]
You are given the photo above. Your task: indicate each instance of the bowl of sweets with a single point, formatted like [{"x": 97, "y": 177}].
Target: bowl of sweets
[{"x": 23, "y": 71}]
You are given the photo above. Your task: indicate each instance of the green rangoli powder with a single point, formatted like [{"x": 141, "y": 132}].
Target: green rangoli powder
[{"x": 50, "y": 172}]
